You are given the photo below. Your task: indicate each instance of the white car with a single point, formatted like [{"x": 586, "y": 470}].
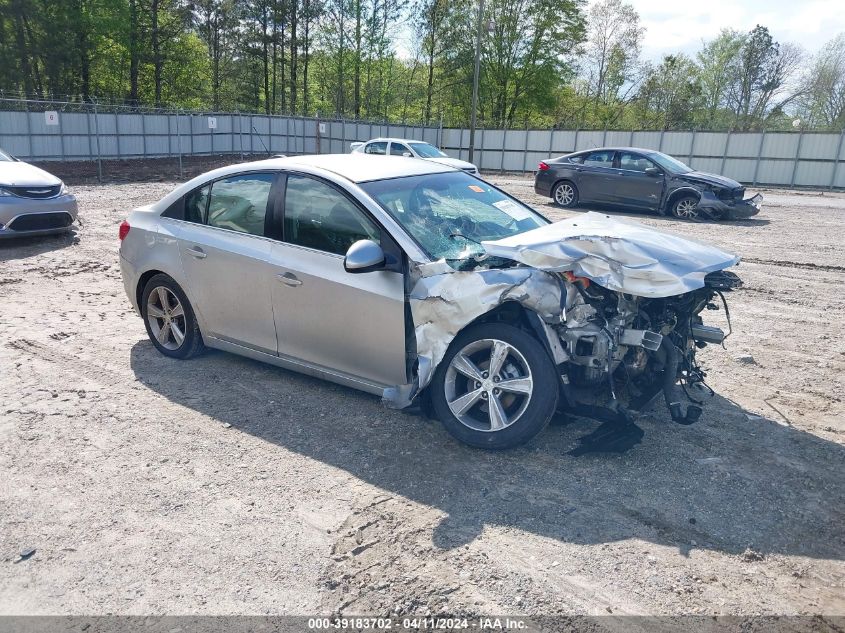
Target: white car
[
  {"x": 411, "y": 149},
  {"x": 32, "y": 201}
]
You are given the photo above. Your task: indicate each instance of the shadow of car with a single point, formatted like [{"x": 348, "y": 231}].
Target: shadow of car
[{"x": 728, "y": 482}]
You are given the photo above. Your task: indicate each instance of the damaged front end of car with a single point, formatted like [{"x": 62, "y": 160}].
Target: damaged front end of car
[{"x": 617, "y": 305}]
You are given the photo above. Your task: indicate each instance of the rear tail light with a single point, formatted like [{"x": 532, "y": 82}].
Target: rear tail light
[
  {"x": 542, "y": 166},
  {"x": 123, "y": 231}
]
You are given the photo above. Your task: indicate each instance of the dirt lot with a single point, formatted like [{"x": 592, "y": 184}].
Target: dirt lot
[{"x": 223, "y": 486}]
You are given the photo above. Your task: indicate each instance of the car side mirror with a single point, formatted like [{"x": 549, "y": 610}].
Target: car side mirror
[
  {"x": 654, "y": 172},
  {"x": 407, "y": 154},
  {"x": 363, "y": 256}
]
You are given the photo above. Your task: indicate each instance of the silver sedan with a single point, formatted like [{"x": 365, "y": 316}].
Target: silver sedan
[
  {"x": 32, "y": 201},
  {"x": 414, "y": 281}
]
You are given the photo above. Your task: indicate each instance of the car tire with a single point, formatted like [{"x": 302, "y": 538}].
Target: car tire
[
  {"x": 169, "y": 318},
  {"x": 522, "y": 409},
  {"x": 684, "y": 208},
  {"x": 565, "y": 194}
]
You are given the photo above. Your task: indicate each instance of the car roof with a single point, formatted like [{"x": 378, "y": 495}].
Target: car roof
[
  {"x": 359, "y": 168},
  {"x": 355, "y": 168},
  {"x": 396, "y": 139},
  {"x": 641, "y": 150}
]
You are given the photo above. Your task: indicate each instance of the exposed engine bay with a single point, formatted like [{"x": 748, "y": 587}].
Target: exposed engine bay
[
  {"x": 618, "y": 305},
  {"x": 631, "y": 348}
]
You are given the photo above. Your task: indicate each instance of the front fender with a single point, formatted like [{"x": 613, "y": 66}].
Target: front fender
[{"x": 445, "y": 303}]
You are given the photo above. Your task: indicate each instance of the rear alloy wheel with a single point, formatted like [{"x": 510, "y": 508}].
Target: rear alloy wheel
[
  {"x": 686, "y": 208},
  {"x": 496, "y": 387},
  {"x": 169, "y": 318},
  {"x": 565, "y": 194}
]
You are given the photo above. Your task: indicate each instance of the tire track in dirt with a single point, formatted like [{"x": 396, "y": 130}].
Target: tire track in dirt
[{"x": 789, "y": 264}]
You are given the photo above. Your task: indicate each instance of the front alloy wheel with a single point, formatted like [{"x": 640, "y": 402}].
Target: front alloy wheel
[
  {"x": 488, "y": 385},
  {"x": 686, "y": 208},
  {"x": 496, "y": 387}
]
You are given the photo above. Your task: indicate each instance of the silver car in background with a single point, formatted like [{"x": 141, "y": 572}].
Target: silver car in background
[
  {"x": 32, "y": 201},
  {"x": 419, "y": 282}
]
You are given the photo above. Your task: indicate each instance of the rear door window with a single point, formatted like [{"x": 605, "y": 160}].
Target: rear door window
[
  {"x": 196, "y": 205},
  {"x": 634, "y": 162},
  {"x": 397, "y": 149},
  {"x": 601, "y": 158},
  {"x": 239, "y": 203},
  {"x": 379, "y": 147}
]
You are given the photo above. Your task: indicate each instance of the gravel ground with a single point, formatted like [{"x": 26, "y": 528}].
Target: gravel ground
[{"x": 224, "y": 486}]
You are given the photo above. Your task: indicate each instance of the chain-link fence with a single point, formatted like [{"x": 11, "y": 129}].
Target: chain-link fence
[{"x": 40, "y": 130}]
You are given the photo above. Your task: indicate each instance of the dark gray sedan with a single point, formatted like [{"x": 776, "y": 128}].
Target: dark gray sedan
[{"x": 645, "y": 180}]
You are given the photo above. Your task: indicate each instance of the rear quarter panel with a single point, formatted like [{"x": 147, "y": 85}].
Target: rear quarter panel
[{"x": 150, "y": 245}]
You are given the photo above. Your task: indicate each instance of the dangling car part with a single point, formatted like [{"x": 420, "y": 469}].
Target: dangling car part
[{"x": 423, "y": 284}]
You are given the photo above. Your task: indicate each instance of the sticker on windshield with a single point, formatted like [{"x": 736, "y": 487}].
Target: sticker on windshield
[
  {"x": 514, "y": 210},
  {"x": 476, "y": 189}
]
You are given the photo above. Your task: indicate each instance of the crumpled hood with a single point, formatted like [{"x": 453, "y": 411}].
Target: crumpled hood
[
  {"x": 17, "y": 174},
  {"x": 710, "y": 179},
  {"x": 452, "y": 162},
  {"x": 619, "y": 255}
]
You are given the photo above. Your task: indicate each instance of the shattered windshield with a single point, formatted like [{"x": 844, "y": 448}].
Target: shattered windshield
[
  {"x": 450, "y": 214},
  {"x": 669, "y": 163}
]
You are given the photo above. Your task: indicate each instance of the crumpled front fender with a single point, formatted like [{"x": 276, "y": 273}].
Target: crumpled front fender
[{"x": 444, "y": 301}]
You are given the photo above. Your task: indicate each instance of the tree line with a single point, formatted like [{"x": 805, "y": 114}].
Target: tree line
[{"x": 544, "y": 63}]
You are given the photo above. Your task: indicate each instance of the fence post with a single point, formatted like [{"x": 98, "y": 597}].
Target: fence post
[
  {"x": 440, "y": 132},
  {"x": 240, "y": 134},
  {"x": 797, "y": 156},
  {"x": 191, "y": 126},
  {"x": 342, "y": 135},
  {"x": 525, "y": 152},
  {"x": 691, "y": 148},
  {"x": 28, "y": 131},
  {"x": 62, "y": 135},
  {"x": 725, "y": 151},
  {"x": 117, "y": 134},
  {"x": 179, "y": 144},
  {"x": 759, "y": 156},
  {"x": 660, "y": 144},
  {"x": 88, "y": 133},
  {"x": 97, "y": 137},
  {"x": 318, "y": 137},
  {"x": 604, "y": 137},
  {"x": 551, "y": 140},
  {"x": 577, "y": 132},
  {"x": 836, "y": 159},
  {"x": 144, "y": 133},
  {"x": 504, "y": 144}
]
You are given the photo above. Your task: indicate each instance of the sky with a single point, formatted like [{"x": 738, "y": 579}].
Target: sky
[{"x": 681, "y": 25}]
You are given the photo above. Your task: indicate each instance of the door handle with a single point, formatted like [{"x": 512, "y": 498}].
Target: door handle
[
  {"x": 197, "y": 252},
  {"x": 289, "y": 279}
]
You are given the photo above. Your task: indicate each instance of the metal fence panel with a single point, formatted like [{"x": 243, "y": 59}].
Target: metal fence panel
[
  {"x": 88, "y": 132},
  {"x": 649, "y": 140},
  {"x": 677, "y": 143},
  {"x": 741, "y": 169},
  {"x": 780, "y": 145},
  {"x": 744, "y": 145},
  {"x": 774, "y": 172},
  {"x": 813, "y": 173}
]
